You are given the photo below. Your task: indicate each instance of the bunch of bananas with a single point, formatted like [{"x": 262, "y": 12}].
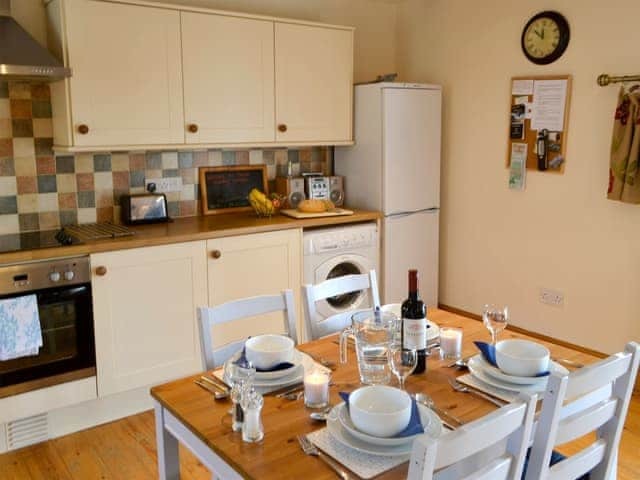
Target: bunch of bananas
[{"x": 262, "y": 205}]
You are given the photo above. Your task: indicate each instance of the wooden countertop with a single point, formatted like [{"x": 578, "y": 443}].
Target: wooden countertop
[{"x": 189, "y": 229}]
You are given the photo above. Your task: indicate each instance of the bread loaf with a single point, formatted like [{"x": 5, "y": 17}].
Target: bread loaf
[{"x": 315, "y": 206}]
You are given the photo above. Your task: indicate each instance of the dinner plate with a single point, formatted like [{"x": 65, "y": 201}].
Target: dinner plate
[
  {"x": 339, "y": 433},
  {"x": 302, "y": 362},
  {"x": 478, "y": 370},
  {"x": 498, "y": 374},
  {"x": 430, "y": 422},
  {"x": 433, "y": 332}
]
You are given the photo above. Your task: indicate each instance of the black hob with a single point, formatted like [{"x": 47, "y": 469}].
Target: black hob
[{"x": 33, "y": 240}]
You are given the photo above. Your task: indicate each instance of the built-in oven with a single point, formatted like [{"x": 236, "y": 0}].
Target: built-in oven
[{"x": 63, "y": 291}]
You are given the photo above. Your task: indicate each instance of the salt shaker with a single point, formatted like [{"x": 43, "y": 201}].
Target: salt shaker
[{"x": 252, "y": 430}]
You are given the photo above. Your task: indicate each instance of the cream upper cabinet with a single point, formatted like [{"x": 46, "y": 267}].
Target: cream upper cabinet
[
  {"x": 249, "y": 265},
  {"x": 228, "y": 78},
  {"x": 314, "y": 83},
  {"x": 126, "y": 87},
  {"x": 171, "y": 76},
  {"x": 145, "y": 314}
]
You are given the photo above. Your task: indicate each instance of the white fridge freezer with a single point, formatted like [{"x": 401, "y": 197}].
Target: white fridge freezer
[
  {"x": 410, "y": 241},
  {"x": 394, "y": 167}
]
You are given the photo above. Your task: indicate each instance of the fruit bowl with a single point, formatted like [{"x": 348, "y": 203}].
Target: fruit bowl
[{"x": 264, "y": 205}]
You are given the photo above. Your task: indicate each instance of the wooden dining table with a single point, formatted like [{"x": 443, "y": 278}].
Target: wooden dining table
[{"x": 187, "y": 414}]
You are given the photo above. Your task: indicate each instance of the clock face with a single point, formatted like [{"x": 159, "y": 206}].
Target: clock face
[{"x": 545, "y": 37}]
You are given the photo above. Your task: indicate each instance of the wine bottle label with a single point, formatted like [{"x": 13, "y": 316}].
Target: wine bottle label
[{"x": 415, "y": 333}]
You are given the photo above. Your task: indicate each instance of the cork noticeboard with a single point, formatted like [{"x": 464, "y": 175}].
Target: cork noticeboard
[{"x": 538, "y": 102}]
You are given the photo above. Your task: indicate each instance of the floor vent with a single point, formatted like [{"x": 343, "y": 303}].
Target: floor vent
[{"x": 27, "y": 431}]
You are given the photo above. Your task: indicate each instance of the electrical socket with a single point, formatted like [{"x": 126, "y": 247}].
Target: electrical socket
[
  {"x": 164, "y": 185},
  {"x": 551, "y": 297}
]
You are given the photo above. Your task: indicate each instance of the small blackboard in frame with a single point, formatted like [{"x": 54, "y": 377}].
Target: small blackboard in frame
[{"x": 226, "y": 189}]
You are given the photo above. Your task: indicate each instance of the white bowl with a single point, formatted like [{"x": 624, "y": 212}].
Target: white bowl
[
  {"x": 380, "y": 411},
  {"x": 522, "y": 357},
  {"x": 266, "y": 351}
]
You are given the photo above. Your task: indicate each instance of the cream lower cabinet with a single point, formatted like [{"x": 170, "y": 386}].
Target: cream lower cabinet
[
  {"x": 145, "y": 315},
  {"x": 249, "y": 265}
]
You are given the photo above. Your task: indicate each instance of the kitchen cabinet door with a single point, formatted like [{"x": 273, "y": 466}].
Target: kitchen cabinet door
[
  {"x": 145, "y": 314},
  {"x": 126, "y": 87},
  {"x": 228, "y": 78},
  {"x": 250, "y": 265},
  {"x": 314, "y": 83}
]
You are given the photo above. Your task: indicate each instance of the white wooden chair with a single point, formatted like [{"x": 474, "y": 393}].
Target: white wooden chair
[
  {"x": 595, "y": 397},
  {"x": 315, "y": 327},
  {"x": 236, "y": 310},
  {"x": 490, "y": 448}
]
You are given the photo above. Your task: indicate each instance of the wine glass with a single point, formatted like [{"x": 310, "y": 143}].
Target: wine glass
[
  {"x": 403, "y": 363},
  {"x": 495, "y": 319}
]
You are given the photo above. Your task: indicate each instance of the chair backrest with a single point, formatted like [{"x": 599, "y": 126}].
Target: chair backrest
[
  {"x": 595, "y": 397},
  {"x": 490, "y": 448},
  {"x": 236, "y": 310},
  {"x": 315, "y": 326}
]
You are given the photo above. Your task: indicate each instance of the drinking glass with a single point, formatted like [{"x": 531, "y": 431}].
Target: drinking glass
[
  {"x": 403, "y": 363},
  {"x": 495, "y": 319}
]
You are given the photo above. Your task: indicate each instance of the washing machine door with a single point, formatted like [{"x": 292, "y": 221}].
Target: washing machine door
[{"x": 350, "y": 264}]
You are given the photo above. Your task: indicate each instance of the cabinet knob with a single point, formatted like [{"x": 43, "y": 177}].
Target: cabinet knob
[
  {"x": 83, "y": 129},
  {"x": 101, "y": 271},
  {"x": 216, "y": 254},
  {"x": 193, "y": 128},
  {"x": 282, "y": 127}
]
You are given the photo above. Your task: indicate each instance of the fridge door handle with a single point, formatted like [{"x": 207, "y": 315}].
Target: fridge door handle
[{"x": 411, "y": 212}]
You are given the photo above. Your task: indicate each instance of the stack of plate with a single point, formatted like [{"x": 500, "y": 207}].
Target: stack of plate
[
  {"x": 490, "y": 375},
  {"x": 342, "y": 429},
  {"x": 268, "y": 381}
]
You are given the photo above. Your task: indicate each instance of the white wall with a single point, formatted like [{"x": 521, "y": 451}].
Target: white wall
[{"x": 499, "y": 245}]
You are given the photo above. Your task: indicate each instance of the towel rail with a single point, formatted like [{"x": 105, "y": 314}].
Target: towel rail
[{"x": 604, "y": 79}]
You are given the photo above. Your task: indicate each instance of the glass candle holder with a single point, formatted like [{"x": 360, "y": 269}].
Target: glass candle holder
[
  {"x": 450, "y": 342},
  {"x": 316, "y": 388}
]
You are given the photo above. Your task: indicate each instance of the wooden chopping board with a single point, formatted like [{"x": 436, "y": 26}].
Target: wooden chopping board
[{"x": 336, "y": 212}]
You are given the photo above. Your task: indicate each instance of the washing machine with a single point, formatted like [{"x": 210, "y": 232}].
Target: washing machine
[{"x": 337, "y": 251}]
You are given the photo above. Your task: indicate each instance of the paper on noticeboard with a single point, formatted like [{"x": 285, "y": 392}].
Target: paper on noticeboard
[
  {"x": 518, "y": 167},
  {"x": 521, "y": 87},
  {"x": 549, "y": 97}
]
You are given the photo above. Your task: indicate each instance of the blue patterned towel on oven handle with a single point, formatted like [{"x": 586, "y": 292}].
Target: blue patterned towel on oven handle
[{"x": 20, "y": 333}]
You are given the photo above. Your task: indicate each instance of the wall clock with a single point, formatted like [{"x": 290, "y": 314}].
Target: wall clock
[{"x": 545, "y": 37}]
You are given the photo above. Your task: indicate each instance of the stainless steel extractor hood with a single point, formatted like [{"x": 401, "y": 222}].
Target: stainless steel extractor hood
[{"x": 21, "y": 56}]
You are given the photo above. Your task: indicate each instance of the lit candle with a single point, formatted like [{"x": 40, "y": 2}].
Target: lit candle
[
  {"x": 450, "y": 342},
  {"x": 316, "y": 389}
]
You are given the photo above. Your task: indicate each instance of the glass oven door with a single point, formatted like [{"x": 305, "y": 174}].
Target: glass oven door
[{"x": 66, "y": 320}]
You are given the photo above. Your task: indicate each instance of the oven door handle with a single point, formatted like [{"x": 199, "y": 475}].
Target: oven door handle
[{"x": 65, "y": 294}]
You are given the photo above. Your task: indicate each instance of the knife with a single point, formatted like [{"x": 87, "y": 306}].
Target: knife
[
  {"x": 220, "y": 383},
  {"x": 213, "y": 384},
  {"x": 216, "y": 394}
]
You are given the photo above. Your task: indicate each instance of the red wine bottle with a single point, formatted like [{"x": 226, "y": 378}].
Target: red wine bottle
[{"x": 414, "y": 323}]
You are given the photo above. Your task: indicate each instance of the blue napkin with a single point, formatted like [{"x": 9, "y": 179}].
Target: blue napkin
[
  {"x": 415, "y": 425},
  {"x": 244, "y": 363},
  {"x": 488, "y": 352}
]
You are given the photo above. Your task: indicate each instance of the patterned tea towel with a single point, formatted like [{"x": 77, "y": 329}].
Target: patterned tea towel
[
  {"x": 20, "y": 334},
  {"x": 365, "y": 465}
]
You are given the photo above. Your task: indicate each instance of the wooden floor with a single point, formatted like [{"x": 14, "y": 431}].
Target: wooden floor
[{"x": 125, "y": 449}]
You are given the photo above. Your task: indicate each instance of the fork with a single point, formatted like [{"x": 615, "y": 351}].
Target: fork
[
  {"x": 310, "y": 449},
  {"x": 458, "y": 387}
]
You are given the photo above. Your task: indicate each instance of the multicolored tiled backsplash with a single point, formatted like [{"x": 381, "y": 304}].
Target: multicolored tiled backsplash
[{"x": 42, "y": 191}]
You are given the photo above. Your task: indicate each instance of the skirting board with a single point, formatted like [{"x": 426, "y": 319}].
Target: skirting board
[{"x": 92, "y": 413}]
